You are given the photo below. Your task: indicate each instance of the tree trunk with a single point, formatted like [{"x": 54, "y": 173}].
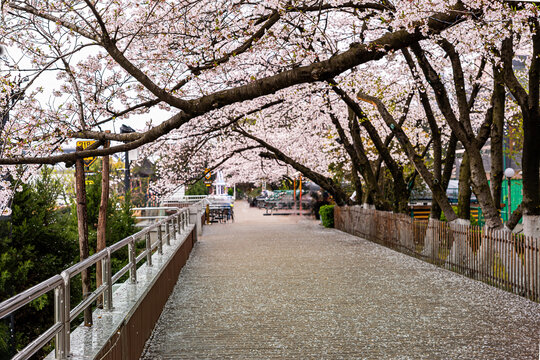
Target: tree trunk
[
  {"x": 464, "y": 189},
  {"x": 462, "y": 128},
  {"x": 529, "y": 106},
  {"x": 102, "y": 219},
  {"x": 531, "y": 173},
  {"x": 436, "y": 187},
  {"x": 82, "y": 222},
  {"x": 357, "y": 184},
  {"x": 498, "y": 102},
  {"x": 359, "y": 159},
  {"x": 400, "y": 186}
]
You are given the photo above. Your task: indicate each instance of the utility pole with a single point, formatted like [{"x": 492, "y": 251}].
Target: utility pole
[
  {"x": 102, "y": 217},
  {"x": 124, "y": 129},
  {"x": 82, "y": 224},
  {"x": 300, "y": 188}
]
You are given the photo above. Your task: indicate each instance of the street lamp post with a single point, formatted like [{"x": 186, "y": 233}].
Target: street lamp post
[
  {"x": 124, "y": 129},
  {"x": 509, "y": 173}
]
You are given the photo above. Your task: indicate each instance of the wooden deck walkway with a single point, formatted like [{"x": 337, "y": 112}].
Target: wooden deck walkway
[{"x": 285, "y": 288}]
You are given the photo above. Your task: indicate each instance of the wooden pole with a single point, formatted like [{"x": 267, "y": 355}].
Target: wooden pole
[
  {"x": 294, "y": 195},
  {"x": 300, "y": 188},
  {"x": 102, "y": 217},
  {"x": 82, "y": 224}
]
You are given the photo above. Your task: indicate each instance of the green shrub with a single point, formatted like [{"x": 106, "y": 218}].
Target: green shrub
[{"x": 327, "y": 215}]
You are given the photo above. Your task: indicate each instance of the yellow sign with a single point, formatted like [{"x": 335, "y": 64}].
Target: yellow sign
[
  {"x": 88, "y": 160},
  {"x": 89, "y": 182},
  {"x": 208, "y": 177}
]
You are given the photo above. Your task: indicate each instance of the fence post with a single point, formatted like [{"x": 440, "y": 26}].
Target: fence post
[
  {"x": 66, "y": 308},
  {"x": 195, "y": 219},
  {"x": 174, "y": 227},
  {"x": 107, "y": 279},
  {"x": 59, "y": 313},
  {"x": 148, "y": 249},
  {"x": 160, "y": 240},
  {"x": 168, "y": 232},
  {"x": 132, "y": 261},
  {"x": 184, "y": 219}
]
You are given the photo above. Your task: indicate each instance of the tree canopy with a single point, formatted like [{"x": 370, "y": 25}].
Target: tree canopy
[{"x": 374, "y": 86}]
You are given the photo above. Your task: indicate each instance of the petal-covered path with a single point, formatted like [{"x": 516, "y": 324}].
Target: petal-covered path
[{"x": 286, "y": 288}]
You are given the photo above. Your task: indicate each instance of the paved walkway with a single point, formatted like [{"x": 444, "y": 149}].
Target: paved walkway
[{"x": 284, "y": 288}]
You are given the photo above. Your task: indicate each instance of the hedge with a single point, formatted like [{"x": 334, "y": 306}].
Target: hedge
[{"x": 327, "y": 215}]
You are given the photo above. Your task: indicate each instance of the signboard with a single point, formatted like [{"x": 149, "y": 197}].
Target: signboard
[
  {"x": 88, "y": 160},
  {"x": 207, "y": 177}
]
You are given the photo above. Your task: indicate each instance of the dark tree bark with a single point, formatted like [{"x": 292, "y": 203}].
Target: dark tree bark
[
  {"x": 515, "y": 217},
  {"x": 357, "y": 184},
  {"x": 497, "y": 128},
  {"x": 359, "y": 158},
  {"x": 400, "y": 187},
  {"x": 436, "y": 187},
  {"x": 461, "y": 126},
  {"x": 529, "y": 106},
  {"x": 449, "y": 160},
  {"x": 464, "y": 188}
]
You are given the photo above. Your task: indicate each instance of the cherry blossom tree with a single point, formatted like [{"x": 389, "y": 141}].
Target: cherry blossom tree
[{"x": 210, "y": 62}]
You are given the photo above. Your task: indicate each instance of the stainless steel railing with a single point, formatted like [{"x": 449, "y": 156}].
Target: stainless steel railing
[
  {"x": 185, "y": 199},
  {"x": 173, "y": 226}
]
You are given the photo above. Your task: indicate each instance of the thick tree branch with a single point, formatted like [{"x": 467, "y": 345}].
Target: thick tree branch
[
  {"x": 517, "y": 90},
  {"x": 320, "y": 71},
  {"x": 321, "y": 180}
]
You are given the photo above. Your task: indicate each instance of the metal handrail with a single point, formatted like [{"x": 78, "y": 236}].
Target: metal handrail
[
  {"x": 185, "y": 199},
  {"x": 61, "y": 283},
  {"x": 18, "y": 301}
]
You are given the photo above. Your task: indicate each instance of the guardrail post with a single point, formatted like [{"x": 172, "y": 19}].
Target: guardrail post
[
  {"x": 180, "y": 225},
  {"x": 148, "y": 249},
  {"x": 66, "y": 308},
  {"x": 186, "y": 218},
  {"x": 160, "y": 240},
  {"x": 183, "y": 220},
  {"x": 168, "y": 232},
  {"x": 174, "y": 228},
  {"x": 60, "y": 343},
  {"x": 107, "y": 279},
  {"x": 199, "y": 219},
  {"x": 193, "y": 216},
  {"x": 177, "y": 219},
  {"x": 132, "y": 261}
]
